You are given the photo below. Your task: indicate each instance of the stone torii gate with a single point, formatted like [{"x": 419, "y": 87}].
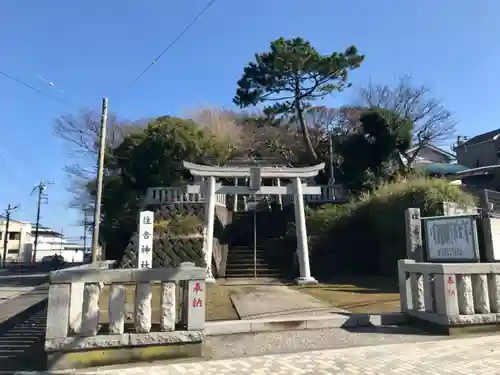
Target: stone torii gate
[{"x": 209, "y": 187}]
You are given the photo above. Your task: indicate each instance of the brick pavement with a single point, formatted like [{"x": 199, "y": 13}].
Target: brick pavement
[{"x": 466, "y": 356}]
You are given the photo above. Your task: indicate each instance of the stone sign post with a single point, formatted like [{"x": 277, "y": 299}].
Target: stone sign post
[
  {"x": 414, "y": 244},
  {"x": 146, "y": 232}
]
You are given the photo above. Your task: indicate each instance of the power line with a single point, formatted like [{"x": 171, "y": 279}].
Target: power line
[
  {"x": 35, "y": 89},
  {"x": 174, "y": 41}
]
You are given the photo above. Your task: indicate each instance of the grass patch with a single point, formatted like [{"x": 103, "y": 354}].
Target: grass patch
[
  {"x": 358, "y": 295},
  {"x": 218, "y": 303}
]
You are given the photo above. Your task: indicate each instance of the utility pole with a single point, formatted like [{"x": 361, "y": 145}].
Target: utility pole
[
  {"x": 8, "y": 211},
  {"x": 85, "y": 230},
  {"x": 330, "y": 151},
  {"x": 100, "y": 174},
  {"x": 61, "y": 243},
  {"x": 41, "y": 197}
]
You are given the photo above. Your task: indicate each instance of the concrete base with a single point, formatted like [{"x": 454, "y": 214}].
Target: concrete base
[
  {"x": 304, "y": 323},
  {"x": 79, "y": 359},
  {"x": 455, "y": 325},
  {"x": 306, "y": 281}
]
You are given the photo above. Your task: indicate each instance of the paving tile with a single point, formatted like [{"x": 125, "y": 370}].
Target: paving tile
[{"x": 469, "y": 356}]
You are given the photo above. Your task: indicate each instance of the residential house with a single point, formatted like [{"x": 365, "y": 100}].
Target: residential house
[
  {"x": 435, "y": 161},
  {"x": 479, "y": 151},
  {"x": 19, "y": 241},
  {"x": 481, "y": 154}
]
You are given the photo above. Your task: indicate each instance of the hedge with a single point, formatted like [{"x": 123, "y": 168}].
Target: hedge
[{"x": 367, "y": 236}]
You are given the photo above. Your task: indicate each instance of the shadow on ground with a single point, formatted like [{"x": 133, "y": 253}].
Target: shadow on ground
[
  {"x": 394, "y": 329},
  {"x": 371, "y": 284},
  {"x": 22, "y": 340},
  {"x": 360, "y": 291}
]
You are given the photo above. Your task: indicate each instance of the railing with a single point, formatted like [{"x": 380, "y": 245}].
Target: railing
[
  {"x": 159, "y": 195},
  {"x": 73, "y": 318},
  {"x": 329, "y": 193},
  {"x": 450, "y": 294}
]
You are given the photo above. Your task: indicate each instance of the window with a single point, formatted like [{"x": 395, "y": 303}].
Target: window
[
  {"x": 15, "y": 236},
  {"x": 1, "y": 236},
  {"x": 13, "y": 251}
]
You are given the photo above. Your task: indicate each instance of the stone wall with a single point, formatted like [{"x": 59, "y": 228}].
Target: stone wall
[{"x": 170, "y": 251}]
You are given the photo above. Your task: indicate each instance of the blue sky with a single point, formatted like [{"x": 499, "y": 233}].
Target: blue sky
[{"x": 92, "y": 49}]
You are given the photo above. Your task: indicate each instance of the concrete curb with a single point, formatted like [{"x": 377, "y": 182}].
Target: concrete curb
[{"x": 229, "y": 327}]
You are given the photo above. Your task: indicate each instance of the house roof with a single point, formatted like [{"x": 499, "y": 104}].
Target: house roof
[
  {"x": 489, "y": 169},
  {"x": 435, "y": 149},
  {"x": 488, "y": 136},
  {"x": 441, "y": 168}
]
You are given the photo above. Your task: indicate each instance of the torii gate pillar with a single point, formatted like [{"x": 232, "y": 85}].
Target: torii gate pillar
[
  {"x": 301, "y": 230},
  {"x": 208, "y": 229}
]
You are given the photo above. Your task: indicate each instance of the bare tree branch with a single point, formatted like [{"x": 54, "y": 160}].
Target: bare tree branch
[
  {"x": 432, "y": 123},
  {"x": 81, "y": 133}
]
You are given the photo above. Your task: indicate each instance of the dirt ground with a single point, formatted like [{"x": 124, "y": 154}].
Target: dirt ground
[{"x": 358, "y": 295}]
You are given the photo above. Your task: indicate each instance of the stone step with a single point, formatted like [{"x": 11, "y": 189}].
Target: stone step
[
  {"x": 265, "y": 270},
  {"x": 248, "y": 259},
  {"x": 250, "y": 275},
  {"x": 242, "y": 249},
  {"x": 247, "y": 266},
  {"x": 240, "y": 261},
  {"x": 245, "y": 252}
]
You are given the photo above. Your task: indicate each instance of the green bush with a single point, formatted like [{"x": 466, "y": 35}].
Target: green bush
[{"x": 367, "y": 236}]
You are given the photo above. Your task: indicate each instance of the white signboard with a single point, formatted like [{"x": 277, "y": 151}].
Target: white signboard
[
  {"x": 145, "y": 250},
  {"x": 491, "y": 227},
  {"x": 451, "y": 238}
]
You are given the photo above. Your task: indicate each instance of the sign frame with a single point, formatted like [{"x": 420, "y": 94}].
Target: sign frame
[{"x": 474, "y": 258}]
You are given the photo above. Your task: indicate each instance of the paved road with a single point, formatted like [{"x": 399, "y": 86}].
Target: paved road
[{"x": 469, "y": 356}]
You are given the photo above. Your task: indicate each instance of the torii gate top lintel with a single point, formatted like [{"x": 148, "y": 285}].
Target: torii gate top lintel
[{"x": 235, "y": 171}]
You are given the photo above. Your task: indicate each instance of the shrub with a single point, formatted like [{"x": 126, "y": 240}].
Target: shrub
[
  {"x": 179, "y": 225},
  {"x": 367, "y": 236}
]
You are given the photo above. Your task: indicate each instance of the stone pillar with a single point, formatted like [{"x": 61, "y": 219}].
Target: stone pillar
[
  {"x": 280, "y": 197},
  {"x": 167, "y": 318},
  {"x": 414, "y": 243},
  {"x": 209, "y": 227},
  {"x": 235, "y": 203},
  {"x": 90, "y": 314},
  {"x": 117, "y": 309},
  {"x": 446, "y": 295},
  {"x": 300, "y": 224}
]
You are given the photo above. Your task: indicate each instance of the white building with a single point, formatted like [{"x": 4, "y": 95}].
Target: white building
[
  {"x": 51, "y": 242},
  {"x": 19, "y": 240}
]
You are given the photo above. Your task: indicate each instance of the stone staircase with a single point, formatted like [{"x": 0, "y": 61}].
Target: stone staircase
[
  {"x": 240, "y": 259},
  {"x": 240, "y": 263}
]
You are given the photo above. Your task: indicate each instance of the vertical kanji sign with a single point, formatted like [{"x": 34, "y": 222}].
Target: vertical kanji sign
[
  {"x": 145, "y": 250},
  {"x": 195, "y": 304}
]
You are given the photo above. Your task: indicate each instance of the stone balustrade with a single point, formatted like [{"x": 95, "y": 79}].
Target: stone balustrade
[
  {"x": 451, "y": 294},
  {"x": 73, "y": 319},
  {"x": 177, "y": 194},
  {"x": 160, "y": 195}
]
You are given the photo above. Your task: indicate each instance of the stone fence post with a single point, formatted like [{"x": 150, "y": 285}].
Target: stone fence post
[{"x": 413, "y": 229}]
